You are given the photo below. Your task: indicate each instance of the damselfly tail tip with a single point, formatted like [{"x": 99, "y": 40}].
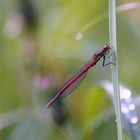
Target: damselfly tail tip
[
  {"x": 49, "y": 104},
  {"x": 53, "y": 100}
]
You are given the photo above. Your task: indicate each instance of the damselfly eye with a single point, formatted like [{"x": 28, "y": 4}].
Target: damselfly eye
[{"x": 106, "y": 47}]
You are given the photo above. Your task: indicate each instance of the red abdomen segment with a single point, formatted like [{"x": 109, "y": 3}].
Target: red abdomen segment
[{"x": 73, "y": 82}]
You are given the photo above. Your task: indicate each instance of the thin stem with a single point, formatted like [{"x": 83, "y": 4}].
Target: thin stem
[
  {"x": 103, "y": 16},
  {"x": 114, "y": 68}
]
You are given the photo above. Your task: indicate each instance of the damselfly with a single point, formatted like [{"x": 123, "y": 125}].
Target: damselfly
[{"x": 75, "y": 80}]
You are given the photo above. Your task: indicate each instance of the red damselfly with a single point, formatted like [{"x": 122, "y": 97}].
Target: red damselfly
[{"x": 75, "y": 80}]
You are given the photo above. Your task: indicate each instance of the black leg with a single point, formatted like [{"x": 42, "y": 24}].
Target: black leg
[{"x": 104, "y": 57}]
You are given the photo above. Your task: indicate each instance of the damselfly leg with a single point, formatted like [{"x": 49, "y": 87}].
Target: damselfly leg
[{"x": 107, "y": 55}]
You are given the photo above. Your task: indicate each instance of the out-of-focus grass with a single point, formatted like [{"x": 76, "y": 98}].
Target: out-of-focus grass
[{"x": 61, "y": 55}]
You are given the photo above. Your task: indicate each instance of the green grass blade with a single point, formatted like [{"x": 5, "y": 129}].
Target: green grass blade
[{"x": 114, "y": 68}]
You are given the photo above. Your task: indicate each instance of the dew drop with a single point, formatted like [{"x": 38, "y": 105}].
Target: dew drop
[
  {"x": 124, "y": 109},
  {"x": 131, "y": 106},
  {"x": 134, "y": 120},
  {"x": 126, "y": 94}
]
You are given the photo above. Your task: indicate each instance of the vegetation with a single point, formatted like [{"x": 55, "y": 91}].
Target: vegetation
[{"x": 42, "y": 44}]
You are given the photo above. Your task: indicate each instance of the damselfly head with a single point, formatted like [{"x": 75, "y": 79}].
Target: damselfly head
[{"x": 106, "y": 47}]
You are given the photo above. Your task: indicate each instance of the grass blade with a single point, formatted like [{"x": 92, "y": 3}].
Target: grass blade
[{"x": 114, "y": 68}]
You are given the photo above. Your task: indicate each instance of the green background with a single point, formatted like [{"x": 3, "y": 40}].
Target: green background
[{"x": 23, "y": 113}]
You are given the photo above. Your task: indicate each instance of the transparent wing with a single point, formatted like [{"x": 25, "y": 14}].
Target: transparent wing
[
  {"x": 71, "y": 86},
  {"x": 72, "y": 83}
]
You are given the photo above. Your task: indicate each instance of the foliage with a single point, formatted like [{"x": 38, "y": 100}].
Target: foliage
[{"x": 37, "y": 56}]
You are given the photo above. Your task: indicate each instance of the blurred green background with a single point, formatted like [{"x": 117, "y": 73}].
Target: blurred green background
[{"x": 41, "y": 44}]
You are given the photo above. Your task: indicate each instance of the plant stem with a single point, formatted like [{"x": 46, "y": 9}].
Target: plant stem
[{"x": 114, "y": 68}]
